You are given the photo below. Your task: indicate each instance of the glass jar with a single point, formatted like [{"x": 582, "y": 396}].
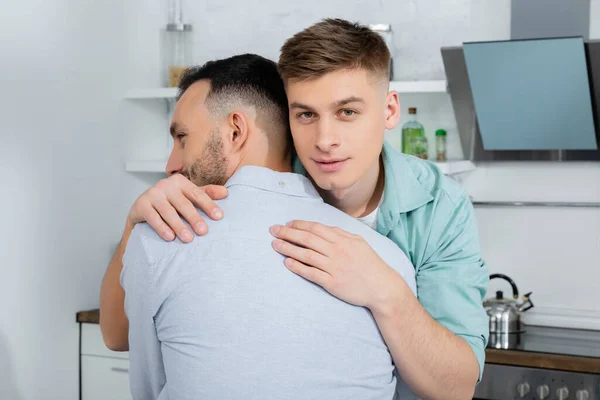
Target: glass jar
[
  {"x": 419, "y": 147},
  {"x": 440, "y": 145},
  {"x": 178, "y": 51},
  {"x": 385, "y": 30},
  {"x": 412, "y": 128}
]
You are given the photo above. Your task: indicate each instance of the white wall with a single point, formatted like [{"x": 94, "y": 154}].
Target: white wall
[
  {"x": 66, "y": 133},
  {"x": 64, "y": 193},
  {"x": 553, "y": 252}
]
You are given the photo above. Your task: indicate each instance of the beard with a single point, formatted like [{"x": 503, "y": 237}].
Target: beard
[{"x": 211, "y": 167}]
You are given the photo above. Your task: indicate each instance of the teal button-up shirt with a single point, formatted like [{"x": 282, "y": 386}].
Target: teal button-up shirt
[{"x": 431, "y": 218}]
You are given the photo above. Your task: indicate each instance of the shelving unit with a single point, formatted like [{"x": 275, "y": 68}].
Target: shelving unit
[
  {"x": 455, "y": 167},
  {"x": 402, "y": 87},
  {"x": 405, "y": 87}
]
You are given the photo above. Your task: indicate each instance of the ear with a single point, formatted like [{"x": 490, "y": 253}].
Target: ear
[
  {"x": 392, "y": 110},
  {"x": 239, "y": 126}
]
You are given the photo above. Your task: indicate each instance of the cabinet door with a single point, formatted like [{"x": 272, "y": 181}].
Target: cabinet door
[
  {"x": 93, "y": 345},
  {"x": 104, "y": 378}
]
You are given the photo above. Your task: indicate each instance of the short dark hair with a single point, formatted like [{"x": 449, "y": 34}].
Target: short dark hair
[
  {"x": 247, "y": 79},
  {"x": 331, "y": 45}
]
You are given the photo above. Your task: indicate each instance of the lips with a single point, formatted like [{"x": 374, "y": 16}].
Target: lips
[{"x": 330, "y": 164}]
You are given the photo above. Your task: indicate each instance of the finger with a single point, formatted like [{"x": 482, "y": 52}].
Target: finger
[
  {"x": 303, "y": 238},
  {"x": 186, "y": 209},
  {"x": 173, "y": 219},
  {"x": 200, "y": 197},
  {"x": 314, "y": 275},
  {"x": 157, "y": 223},
  {"x": 305, "y": 256},
  {"x": 325, "y": 232},
  {"x": 342, "y": 232},
  {"x": 216, "y": 192}
]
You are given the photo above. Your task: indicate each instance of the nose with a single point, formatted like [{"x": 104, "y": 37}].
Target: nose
[
  {"x": 328, "y": 136},
  {"x": 175, "y": 163}
]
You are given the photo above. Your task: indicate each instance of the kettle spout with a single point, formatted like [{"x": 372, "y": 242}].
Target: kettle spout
[{"x": 526, "y": 304}]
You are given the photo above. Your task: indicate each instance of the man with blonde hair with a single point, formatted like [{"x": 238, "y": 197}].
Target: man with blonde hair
[{"x": 336, "y": 76}]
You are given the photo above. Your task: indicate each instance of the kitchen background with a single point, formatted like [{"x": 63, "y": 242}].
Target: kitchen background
[{"x": 68, "y": 132}]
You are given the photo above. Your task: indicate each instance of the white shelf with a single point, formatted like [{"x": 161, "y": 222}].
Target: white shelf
[
  {"x": 153, "y": 93},
  {"x": 455, "y": 167},
  {"x": 418, "y": 86},
  {"x": 146, "y": 166},
  {"x": 399, "y": 86}
]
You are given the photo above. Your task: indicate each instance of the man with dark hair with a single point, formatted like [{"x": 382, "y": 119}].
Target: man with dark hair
[
  {"x": 240, "y": 82},
  {"x": 218, "y": 318}
]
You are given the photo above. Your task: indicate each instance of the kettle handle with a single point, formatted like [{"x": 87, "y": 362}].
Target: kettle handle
[{"x": 512, "y": 283}]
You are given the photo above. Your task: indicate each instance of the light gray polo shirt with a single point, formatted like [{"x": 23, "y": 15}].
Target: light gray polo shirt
[{"x": 223, "y": 318}]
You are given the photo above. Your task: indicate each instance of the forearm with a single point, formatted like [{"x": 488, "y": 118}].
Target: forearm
[
  {"x": 433, "y": 362},
  {"x": 113, "y": 320}
]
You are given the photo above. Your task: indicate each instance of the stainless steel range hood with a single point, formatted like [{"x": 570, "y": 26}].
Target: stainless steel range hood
[
  {"x": 479, "y": 92},
  {"x": 513, "y": 99}
]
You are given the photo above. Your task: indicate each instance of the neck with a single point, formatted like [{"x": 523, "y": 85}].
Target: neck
[
  {"x": 279, "y": 164},
  {"x": 267, "y": 157},
  {"x": 361, "y": 198}
]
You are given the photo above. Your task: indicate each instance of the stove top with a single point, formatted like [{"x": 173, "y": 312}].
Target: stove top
[{"x": 542, "y": 339}]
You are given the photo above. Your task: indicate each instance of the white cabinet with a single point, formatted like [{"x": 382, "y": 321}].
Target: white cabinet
[
  {"x": 104, "y": 378},
  {"x": 104, "y": 373}
]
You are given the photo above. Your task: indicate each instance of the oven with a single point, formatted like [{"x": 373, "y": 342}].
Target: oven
[
  {"x": 504, "y": 382},
  {"x": 544, "y": 363}
]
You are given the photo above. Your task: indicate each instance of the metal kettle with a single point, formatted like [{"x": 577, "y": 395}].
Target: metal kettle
[{"x": 505, "y": 314}]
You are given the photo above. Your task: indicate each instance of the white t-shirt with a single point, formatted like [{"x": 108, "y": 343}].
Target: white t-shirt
[{"x": 371, "y": 219}]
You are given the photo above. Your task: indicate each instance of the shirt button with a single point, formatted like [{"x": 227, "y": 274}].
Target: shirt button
[{"x": 281, "y": 184}]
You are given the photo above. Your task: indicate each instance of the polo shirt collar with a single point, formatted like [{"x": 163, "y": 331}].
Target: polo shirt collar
[{"x": 287, "y": 183}]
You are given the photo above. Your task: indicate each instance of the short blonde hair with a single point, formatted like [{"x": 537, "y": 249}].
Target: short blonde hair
[{"x": 331, "y": 45}]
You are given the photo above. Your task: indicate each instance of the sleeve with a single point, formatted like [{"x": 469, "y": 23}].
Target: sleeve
[
  {"x": 453, "y": 279},
  {"x": 146, "y": 369}
]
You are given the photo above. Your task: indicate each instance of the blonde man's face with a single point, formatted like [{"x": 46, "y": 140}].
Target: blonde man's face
[{"x": 338, "y": 123}]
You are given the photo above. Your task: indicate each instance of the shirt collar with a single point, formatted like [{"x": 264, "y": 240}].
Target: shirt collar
[
  {"x": 287, "y": 183},
  {"x": 402, "y": 191}
]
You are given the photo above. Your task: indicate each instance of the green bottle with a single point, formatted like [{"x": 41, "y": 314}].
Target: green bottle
[{"x": 411, "y": 129}]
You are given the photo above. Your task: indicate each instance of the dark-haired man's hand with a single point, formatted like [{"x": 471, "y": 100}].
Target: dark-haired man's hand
[{"x": 170, "y": 201}]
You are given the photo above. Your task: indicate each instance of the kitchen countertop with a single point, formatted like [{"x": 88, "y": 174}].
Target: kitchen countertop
[
  {"x": 89, "y": 316},
  {"x": 493, "y": 356},
  {"x": 543, "y": 360}
]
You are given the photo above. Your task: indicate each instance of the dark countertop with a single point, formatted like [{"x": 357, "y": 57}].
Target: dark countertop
[
  {"x": 89, "y": 316},
  {"x": 493, "y": 356},
  {"x": 543, "y": 360}
]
